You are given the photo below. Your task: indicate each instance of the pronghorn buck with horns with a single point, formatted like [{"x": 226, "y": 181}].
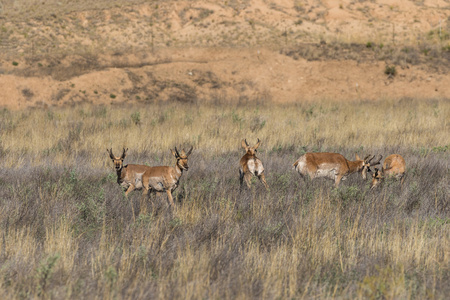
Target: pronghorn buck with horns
[
  {"x": 333, "y": 165},
  {"x": 251, "y": 165},
  {"x": 164, "y": 178},
  {"x": 129, "y": 176},
  {"x": 394, "y": 166}
]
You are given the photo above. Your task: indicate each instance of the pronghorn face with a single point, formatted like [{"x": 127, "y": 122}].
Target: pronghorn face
[
  {"x": 366, "y": 164},
  {"x": 182, "y": 158},
  {"x": 118, "y": 161},
  {"x": 250, "y": 150},
  {"x": 376, "y": 178}
]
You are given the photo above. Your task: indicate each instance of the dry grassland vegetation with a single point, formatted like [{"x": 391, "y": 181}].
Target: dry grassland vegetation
[
  {"x": 353, "y": 77},
  {"x": 68, "y": 231}
]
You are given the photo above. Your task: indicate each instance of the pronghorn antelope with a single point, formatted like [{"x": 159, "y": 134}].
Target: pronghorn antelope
[
  {"x": 333, "y": 165},
  {"x": 251, "y": 165},
  {"x": 164, "y": 178},
  {"x": 394, "y": 165},
  {"x": 129, "y": 176}
]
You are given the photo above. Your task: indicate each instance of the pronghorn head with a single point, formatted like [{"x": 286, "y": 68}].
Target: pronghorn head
[
  {"x": 250, "y": 150},
  {"x": 376, "y": 178},
  {"x": 366, "y": 163},
  {"x": 182, "y": 158},
  {"x": 118, "y": 161}
]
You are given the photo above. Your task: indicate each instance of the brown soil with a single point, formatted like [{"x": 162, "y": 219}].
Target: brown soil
[{"x": 191, "y": 51}]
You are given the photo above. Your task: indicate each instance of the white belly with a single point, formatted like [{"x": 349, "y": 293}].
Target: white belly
[{"x": 325, "y": 172}]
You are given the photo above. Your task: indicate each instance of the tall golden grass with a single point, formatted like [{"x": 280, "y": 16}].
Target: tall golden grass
[
  {"x": 63, "y": 133},
  {"x": 67, "y": 231}
]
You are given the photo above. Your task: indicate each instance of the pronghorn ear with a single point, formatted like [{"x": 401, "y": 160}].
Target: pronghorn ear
[
  {"x": 173, "y": 153},
  {"x": 244, "y": 144},
  {"x": 189, "y": 152},
  {"x": 258, "y": 143},
  {"x": 357, "y": 156},
  {"x": 110, "y": 153}
]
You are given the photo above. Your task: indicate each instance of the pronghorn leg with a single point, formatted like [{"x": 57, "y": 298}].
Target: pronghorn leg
[
  {"x": 130, "y": 189},
  {"x": 401, "y": 181},
  {"x": 169, "y": 195},
  {"x": 248, "y": 179},
  {"x": 144, "y": 201},
  {"x": 304, "y": 180},
  {"x": 241, "y": 180},
  {"x": 262, "y": 178},
  {"x": 337, "y": 180}
]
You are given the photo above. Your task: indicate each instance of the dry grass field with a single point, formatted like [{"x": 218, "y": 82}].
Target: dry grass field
[
  {"x": 68, "y": 231},
  {"x": 353, "y": 77}
]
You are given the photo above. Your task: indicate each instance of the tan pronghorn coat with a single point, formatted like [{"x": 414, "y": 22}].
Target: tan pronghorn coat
[
  {"x": 165, "y": 178},
  {"x": 332, "y": 165},
  {"x": 394, "y": 166},
  {"x": 250, "y": 165}
]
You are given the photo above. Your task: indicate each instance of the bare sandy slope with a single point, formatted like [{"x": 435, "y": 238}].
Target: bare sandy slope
[{"x": 236, "y": 50}]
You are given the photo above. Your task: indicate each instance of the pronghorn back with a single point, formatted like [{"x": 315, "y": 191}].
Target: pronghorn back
[{"x": 394, "y": 164}]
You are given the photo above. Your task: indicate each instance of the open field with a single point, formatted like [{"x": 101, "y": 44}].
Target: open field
[
  {"x": 69, "y": 232},
  {"x": 365, "y": 77}
]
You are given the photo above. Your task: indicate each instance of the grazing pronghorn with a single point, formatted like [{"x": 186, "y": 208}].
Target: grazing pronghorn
[
  {"x": 129, "y": 176},
  {"x": 251, "y": 165},
  {"x": 394, "y": 166},
  {"x": 333, "y": 165},
  {"x": 164, "y": 178}
]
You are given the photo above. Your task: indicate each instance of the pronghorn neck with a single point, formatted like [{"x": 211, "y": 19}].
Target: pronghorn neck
[
  {"x": 355, "y": 166},
  {"x": 250, "y": 155},
  {"x": 179, "y": 168},
  {"x": 121, "y": 174}
]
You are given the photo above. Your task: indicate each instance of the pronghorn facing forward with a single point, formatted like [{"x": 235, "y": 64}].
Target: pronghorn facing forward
[
  {"x": 394, "y": 166},
  {"x": 129, "y": 176},
  {"x": 164, "y": 178},
  {"x": 333, "y": 165},
  {"x": 251, "y": 165}
]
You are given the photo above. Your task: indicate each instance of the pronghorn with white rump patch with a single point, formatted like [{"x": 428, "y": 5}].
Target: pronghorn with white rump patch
[
  {"x": 251, "y": 165},
  {"x": 333, "y": 165}
]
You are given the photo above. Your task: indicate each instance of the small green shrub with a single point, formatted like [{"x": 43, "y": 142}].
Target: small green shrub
[
  {"x": 390, "y": 70},
  {"x": 45, "y": 271},
  {"x": 136, "y": 118}
]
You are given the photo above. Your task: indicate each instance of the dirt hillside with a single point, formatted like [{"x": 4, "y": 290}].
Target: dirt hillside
[{"x": 59, "y": 52}]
